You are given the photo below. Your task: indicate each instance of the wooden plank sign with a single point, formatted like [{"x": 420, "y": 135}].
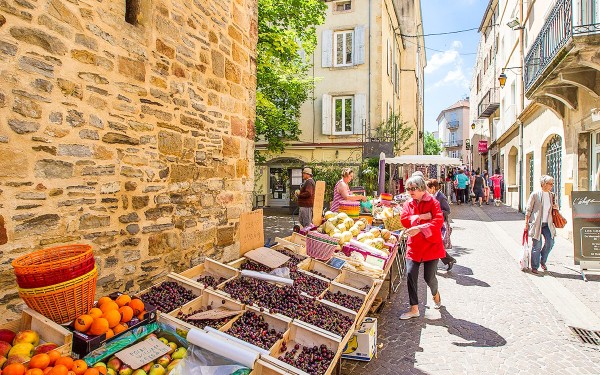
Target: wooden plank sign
[
  {"x": 319, "y": 201},
  {"x": 213, "y": 314},
  {"x": 269, "y": 257},
  {"x": 252, "y": 233},
  {"x": 143, "y": 352}
]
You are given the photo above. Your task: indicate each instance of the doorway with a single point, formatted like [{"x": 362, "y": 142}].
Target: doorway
[{"x": 595, "y": 176}]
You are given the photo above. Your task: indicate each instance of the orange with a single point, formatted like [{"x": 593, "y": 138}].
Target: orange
[
  {"x": 126, "y": 314},
  {"x": 95, "y": 312},
  {"x": 71, "y": 372},
  {"x": 99, "y": 326},
  {"x": 47, "y": 370},
  {"x": 101, "y": 370},
  {"x": 137, "y": 305},
  {"x": 66, "y": 361},
  {"x": 40, "y": 361},
  {"x": 109, "y": 305},
  {"x": 79, "y": 367},
  {"x": 34, "y": 371},
  {"x": 120, "y": 328},
  {"x": 123, "y": 300},
  {"x": 59, "y": 370},
  {"x": 102, "y": 300},
  {"x": 92, "y": 371},
  {"x": 141, "y": 316},
  {"x": 14, "y": 369},
  {"x": 83, "y": 322},
  {"x": 112, "y": 316},
  {"x": 110, "y": 333},
  {"x": 54, "y": 355}
]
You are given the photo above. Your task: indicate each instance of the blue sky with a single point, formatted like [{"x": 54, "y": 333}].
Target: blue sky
[{"x": 448, "y": 73}]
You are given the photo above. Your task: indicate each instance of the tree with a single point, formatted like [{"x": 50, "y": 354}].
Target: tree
[
  {"x": 395, "y": 130},
  {"x": 285, "y": 28},
  {"x": 432, "y": 146}
]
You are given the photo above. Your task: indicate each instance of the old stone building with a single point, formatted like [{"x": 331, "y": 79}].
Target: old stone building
[{"x": 128, "y": 125}]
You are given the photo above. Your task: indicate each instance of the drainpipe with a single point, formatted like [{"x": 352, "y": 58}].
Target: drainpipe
[
  {"x": 369, "y": 84},
  {"x": 521, "y": 126}
]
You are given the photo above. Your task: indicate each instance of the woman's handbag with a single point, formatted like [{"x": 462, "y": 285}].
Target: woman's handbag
[
  {"x": 525, "y": 256},
  {"x": 558, "y": 220},
  {"x": 446, "y": 232}
]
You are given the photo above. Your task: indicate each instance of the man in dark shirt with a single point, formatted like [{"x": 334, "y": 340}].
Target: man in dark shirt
[{"x": 306, "y": 198}]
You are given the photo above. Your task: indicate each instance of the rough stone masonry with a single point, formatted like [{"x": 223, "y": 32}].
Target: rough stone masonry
[{"x": 128, "y": 125}]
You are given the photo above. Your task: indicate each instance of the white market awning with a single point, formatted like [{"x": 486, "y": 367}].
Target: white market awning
[{"x": 423, "y": 160}]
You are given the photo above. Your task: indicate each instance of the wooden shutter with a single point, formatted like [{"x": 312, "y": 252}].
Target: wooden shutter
[
  {"x": 359, "y": 45},
  {"x": 326, "y": 119},
  {"x": 327, "y": 49},
  {"x": 360, "y": 112}
]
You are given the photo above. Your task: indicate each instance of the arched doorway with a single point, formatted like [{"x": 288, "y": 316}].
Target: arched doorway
[
  {"x": 285, "y": 176},
  {"x": 554, "y": 164}
]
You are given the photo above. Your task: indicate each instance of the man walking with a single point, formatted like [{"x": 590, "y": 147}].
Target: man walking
[
  {"x": 461, "y": 187},
  {"x": 306, "y": 198}
]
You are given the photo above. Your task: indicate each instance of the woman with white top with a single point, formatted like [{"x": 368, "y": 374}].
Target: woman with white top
[{"x": 538, "y": 223}]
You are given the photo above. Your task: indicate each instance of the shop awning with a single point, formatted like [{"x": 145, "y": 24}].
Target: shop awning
[{"x": 423, "y": 160}]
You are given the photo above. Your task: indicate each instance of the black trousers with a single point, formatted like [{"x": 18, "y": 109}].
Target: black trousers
[{"x": 412, "y": 270}]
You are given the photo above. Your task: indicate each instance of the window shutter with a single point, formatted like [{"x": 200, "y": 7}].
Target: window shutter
[
  {"x": 359, "y": 45},
  {"x": 360, "y": 112},
  {"x": 326, "y": 115},
  {"x": 326, "y": 49},
  {"x": 388, "y": 57}
]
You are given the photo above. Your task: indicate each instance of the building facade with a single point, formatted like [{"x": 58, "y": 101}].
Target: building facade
[
  {"x": 126, "y": 125},
  {"x": 368, "y": 66},
  {"x": 453, "y": 129}
]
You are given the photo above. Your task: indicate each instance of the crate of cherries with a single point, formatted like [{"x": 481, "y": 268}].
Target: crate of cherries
[{"x": 258, "y": 328}]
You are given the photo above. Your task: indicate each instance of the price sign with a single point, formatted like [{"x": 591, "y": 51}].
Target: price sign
[
  {"x": 318, "y": 203},
  {"x": 336, "y": 263},
  {"x": 143, "y": 352},
  {"x": 252, "y": 235}
]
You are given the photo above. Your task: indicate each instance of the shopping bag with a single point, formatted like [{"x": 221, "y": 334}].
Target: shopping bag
[
  {"x": 525, "y": 257},
  {"x": 446, "y": 232}
]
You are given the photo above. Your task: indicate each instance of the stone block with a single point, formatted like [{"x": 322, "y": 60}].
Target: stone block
[
  {"x": 32, "y": 65},
  {"x": 69, "y": 88},
  {"x": 231, "y": 147},
  {"x": 89, "y": 221},
  {"x": 26, "y": 107},
  {"x": 80, "y": 151},
  {"x": 3, "y": 235},
  {"x": 101, "y": 170},
  {"x": 86, "y": 41},
  {"x": 133, "y": 229},
  {"x": 139, "y": 202},
  {"x": 8, "y": 48},
  {"x": 165, "y": 49},
  {"x": 232, "y": 72},
  {"x": 170, "y": 143},
  {"x": 75, "y": 118},
  {"x": 132, "y": 68},
  {"x": 225, "y": 236},
  {"x": 183, "y": 173},
  {"x": 192, "y": 122},
  {"x": 23, "y": 127},
  {"x": 131, "y": 217},
  {"x": 61, "y": 12},
  {"x": 37, "y": 225},
  {"x": 48, "y": 168},
  {"x": 158, "y": 212},
  {"x": 93, "y": 78},
  {"x": 242, "y": 169},
  {"x": 39, "y": 38},
  {"x": 110, "y": 188},
  {"x": 118, "y": 138},
  {"x": 42, "y": 85},
  {"x": 218, "y": 63},
  {"x": 131, "y": 172},
  {"x": 31, "y": 196}
]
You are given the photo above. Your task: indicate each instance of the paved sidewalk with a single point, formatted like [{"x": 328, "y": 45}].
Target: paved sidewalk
[{"x": 496, "y": 319}]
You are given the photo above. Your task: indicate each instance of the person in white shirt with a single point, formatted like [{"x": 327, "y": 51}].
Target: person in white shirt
[{"x": 538, "y": 223}]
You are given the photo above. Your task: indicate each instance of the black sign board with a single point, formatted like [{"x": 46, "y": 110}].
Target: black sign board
[{"x": 586, "y": 225}]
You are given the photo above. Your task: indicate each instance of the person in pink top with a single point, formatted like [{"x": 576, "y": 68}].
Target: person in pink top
[{"x": 341, "y": 191}]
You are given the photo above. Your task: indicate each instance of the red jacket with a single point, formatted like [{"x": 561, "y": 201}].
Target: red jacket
[{"x": 428, "y": 244}]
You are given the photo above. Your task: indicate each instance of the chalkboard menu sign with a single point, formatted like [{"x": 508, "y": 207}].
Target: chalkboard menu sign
[{"x": 586, "y": 225}]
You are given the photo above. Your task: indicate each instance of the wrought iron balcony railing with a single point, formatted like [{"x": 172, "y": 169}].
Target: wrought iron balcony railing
[
  {"x": 489, "y": 103},
  {"x": 453, "y": 124},
  {"x": 456, "y": 143}
]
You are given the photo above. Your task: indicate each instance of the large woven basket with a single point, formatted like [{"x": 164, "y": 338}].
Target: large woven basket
[
  {"x": 65, "y": 301},
  {"x": 393, "y": 223}
]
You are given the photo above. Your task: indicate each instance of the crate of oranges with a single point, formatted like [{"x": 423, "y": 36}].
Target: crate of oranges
[
  {"x": 111, "y": 317},
  {"x": 53, "y": 363}
]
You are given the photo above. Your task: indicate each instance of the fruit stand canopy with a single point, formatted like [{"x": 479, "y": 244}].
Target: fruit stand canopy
[{"x": 422, "y": 160}]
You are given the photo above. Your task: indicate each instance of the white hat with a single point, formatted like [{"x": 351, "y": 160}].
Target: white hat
[{"x": 308, "y": 171}]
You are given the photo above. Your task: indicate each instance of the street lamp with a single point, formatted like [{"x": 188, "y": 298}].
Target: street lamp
[
  {"x": 502, "y": 79},
  {"x": 473, "y": 126}
]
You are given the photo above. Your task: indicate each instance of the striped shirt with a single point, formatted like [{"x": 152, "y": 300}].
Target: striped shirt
[{"x": 337, "y": 197}]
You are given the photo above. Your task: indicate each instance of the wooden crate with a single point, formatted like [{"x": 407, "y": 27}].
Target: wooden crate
[
  {"x": 311, "y": 265},
  {"x": 262, "y": 367},
  {"x": 208, "y": 298},
  {"x": 49, "y": 331},
  {"x": 184, "y": 282},
  {"x": 284, "y": 243},
  {"x": 209, "y": 268},
  {"x": 296, "y": 238},
  {"x": 356, "y": 280},
  {"x": 304, "y": 336},
  {"x": 339, "y": 309},
  {"x": 337, "y": 287}
]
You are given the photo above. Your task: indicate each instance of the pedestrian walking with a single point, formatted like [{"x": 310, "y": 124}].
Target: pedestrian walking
[
  {"x": 341, "y": 190},
  {"x": 486, "y": 189},
  {"x": 423, "y": 219},
  {"x": 538, "y": 223},
  {"x": 461, "y": 186},
  {"x": 498, "y": 182},
  {"x": 433, "y": 187},
  {"x": 477, "y": 186},
  {"x": 306, "y": 198}
]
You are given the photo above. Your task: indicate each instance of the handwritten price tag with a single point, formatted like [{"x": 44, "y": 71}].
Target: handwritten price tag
[
  {"x": 252, "y": 235},
  {"x": 143, "y": 352}
]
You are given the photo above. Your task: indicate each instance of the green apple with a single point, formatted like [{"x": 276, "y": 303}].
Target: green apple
[
  {"x": 179, "y": 353},
  {"x": 125, "y": 370},
  {"x": 164, "y": 340},
  {"x": 110, "y": 371},
  {"x": 139, "y": 372},
  {"x": 173, "y": 346},
  {"x": 172, "y": 365},
  {"x": 157, "y": 370}
]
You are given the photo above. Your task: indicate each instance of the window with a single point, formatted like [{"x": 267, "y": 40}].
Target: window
[
  {"x": 132, "y": 11},
  {"x": 343, "y": 48},
  {"x": 389, "y": 58},
  {"x": 342, "y": 6},
  {"x": 587, "y": 14},
  {"x": 343, "y": 114},
  {"x": 396, "y": 79}
]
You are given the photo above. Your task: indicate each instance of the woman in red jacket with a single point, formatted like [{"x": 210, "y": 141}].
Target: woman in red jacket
[{"x": 423, "y": 219}]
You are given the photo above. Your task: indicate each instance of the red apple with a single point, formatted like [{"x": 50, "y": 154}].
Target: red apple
[
  {"x": 45, "y": 348},
  {"x": 4, "y": 348},
  {"x": 7, "y": 335},
  {"x": 27, "y": 336}
]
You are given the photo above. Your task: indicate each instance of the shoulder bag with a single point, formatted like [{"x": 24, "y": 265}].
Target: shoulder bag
[{"x": 558, "y": 220}]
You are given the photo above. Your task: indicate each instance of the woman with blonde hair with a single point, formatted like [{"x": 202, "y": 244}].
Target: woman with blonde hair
[
  {"x": 341, "y": 191},
  {"x": 538, "y": 223}
]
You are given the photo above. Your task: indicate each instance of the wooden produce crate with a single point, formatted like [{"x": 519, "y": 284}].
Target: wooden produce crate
[
  {"x": 184, "y": 282},
  {"x": 208, "y": 298},
  {"x": 356, "y": 280},
  {"x": 304, "y": 336},
  {"x": 284, "y": 243},
  {"x": 339, "y": 309},
  {"x": 209, "y": 268},
  {"x": 313, "y": 265},
  {"x": 48, "y": 330},
  {"x": 262, "y": 367},
  {"x": 296, "y": 238},
  {"x": 337, "y": 287}
]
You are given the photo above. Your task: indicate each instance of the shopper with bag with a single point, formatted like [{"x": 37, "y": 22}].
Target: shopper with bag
[
  {"x": 423, "y": 219},
  {"x": 433, "y": 187},
  {"x": 538, "y": 223}
]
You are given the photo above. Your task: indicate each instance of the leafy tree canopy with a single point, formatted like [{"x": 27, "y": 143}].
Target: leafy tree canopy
[
  {"x": 432, "y": 146},
  {"x": 397, "y": 131}
]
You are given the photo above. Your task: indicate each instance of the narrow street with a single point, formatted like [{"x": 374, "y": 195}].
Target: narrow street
[{"x": 496, "y": 319}]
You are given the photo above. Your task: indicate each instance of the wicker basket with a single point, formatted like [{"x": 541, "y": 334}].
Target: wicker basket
[
  {"x": 393, "y": 223},
  {"x": 65, "y": 301},
  {"x": 320, "y": 246}
]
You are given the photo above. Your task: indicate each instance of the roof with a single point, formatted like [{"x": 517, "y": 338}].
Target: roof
[
  {"x": 423, "y": 160},
  {"x": 458, "y": 104}
]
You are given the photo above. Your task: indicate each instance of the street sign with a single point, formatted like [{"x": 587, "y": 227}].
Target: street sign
[
  {"x": 586, "y": 229},
  {"x": 482, "y": 147}
]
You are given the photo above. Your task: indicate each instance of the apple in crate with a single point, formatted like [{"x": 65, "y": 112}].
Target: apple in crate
[
  {"x": 45, "y": 348},
  {"x": 139, "y": 372},
  {"x": 4, "y": 348},
  {"x": 7, "y": 335},
  {"x": 22, "y": 349},
  {"x": 148, "y": 366},
  {"x": 125, "y": 370},
  {"x": 27, "y": 337},
  {"x": 164, "y": 360},
  {"x": 114, "y": 363},
  {"x": 157, "y": 370}
]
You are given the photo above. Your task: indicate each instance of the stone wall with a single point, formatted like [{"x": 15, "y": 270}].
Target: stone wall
[{"x": 135, "y": 137}]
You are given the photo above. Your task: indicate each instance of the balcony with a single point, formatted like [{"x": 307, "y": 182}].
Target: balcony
[
  {"x": 453, "y": 124},
  {"x": 452, "y": 144},
  {"x": 549, "y": 61},
  {"x": 489, "y": 103}
]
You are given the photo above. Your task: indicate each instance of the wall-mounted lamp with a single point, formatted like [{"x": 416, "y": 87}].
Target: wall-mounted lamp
[
  {"x": 515, "y": 24},
  {"x": 473, "y": 126},
  {"x": 502, "y": 77}
]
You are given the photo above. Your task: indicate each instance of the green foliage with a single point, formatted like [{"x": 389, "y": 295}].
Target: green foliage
[
  {"x": 283, "y": 84},
  {"x": 432, "y": 146},
  {"x": 369, "y": 175},
  {"x": 331, "y": 173},
  {"x": 395, "y": 130}
]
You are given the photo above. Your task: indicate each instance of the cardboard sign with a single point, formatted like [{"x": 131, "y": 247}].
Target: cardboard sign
[
  {"x": 213, "y": 314},
  {"x": 252, "y": 233},
  {"x": 318, "y": 205},
  {"x": 143, "y": 352},
  {"x": 268, "y": 257}
]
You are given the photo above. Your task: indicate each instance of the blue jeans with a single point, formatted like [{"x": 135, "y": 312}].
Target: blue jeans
[{"x": 538, "y": 250}]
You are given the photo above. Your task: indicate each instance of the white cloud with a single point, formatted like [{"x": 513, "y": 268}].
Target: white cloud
[
  {"x": 453, "y": 77},
  {"x": 440, "y": 59}
]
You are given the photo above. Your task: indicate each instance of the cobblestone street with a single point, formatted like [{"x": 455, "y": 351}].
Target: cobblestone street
[{"x": 496, "y": 319}]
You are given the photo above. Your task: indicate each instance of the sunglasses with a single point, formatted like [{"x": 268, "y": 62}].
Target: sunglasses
[{"x": 412, "y": 188}]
